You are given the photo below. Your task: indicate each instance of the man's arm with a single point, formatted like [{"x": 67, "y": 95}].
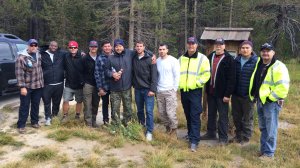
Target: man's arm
[
  {"x": 153, "y": 86},
  {"x": 230, "y": 79},
  {"x": 176, "y": 74}
]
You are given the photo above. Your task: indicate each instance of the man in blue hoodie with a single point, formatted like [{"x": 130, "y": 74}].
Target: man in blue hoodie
[{"x": 242, "y": 106}]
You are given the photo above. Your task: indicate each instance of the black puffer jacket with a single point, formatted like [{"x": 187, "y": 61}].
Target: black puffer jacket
[
  {"x": 73, "y": 71},
  {"x": 53, "y": 71},
  {"x": 89, "y": 70}
]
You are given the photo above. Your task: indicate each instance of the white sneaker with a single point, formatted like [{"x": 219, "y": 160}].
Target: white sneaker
[
  {"x": 48, "y": 122},
  {"x": 149, "y": 136}
]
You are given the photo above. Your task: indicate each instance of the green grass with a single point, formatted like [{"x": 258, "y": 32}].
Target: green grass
[
  {"x": 40, "y": 155},
  {"x": 6, "y": 139},
  {"x": 63, "y": 134}
]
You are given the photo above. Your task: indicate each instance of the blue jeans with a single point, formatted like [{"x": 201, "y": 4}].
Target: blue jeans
[
  {"x": 142, "y": 99},
  {"x": 268, "y": 125},
  {"x": 192, "y": 106},
  {"x": 32, "y": 100}
]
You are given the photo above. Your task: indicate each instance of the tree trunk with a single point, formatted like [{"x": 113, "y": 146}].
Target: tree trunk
[
  {"x": 117, "y": 19},
  {"x": 131, "y": 26},
  {"x": 185, "y": 22},
  {"x": 139, "y": 25},
  {"x": 195, "y": 19},
  {"x": 230, "y": 14}
]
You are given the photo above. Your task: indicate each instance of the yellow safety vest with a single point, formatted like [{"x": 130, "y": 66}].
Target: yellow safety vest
[
  {"x": 194, "y": 72},
  {"x": 276, "y": 83}
]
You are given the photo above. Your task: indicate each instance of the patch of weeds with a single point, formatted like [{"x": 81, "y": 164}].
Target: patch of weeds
[
  {"x": 6, "y": 139},
  {"x": 117, "y": 141},
  {"x": 63, "y": 158},
  {"x": 86, "y": 135},
  {"x": 133, "y": 131},
  {"x": 40, "y": 155},
  {"x": 161, "y": 159},
  {"x": 98, "y": 150},
  {"x": 112, "y": 163},
  {"x": 91, "y": 162},
  {"x": 60, "y": 135},
  {"x": 18, "y": 164},
  {"x": 132, "y": 164}
]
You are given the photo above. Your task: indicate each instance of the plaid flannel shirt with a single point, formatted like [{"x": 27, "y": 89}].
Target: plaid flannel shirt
[
  {"x": 101, "y": 79},
  {"x": 29, "y": 76}
]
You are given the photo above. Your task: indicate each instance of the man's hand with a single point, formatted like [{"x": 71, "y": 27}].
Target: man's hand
[
  {"x": 150, "y": 93},
  {"x": 226, "y": 99},
  {"x": 101, "y": 92},
  {"x": 116, "y": 76},
  {"x": 153, "y": 59},
  {"x": 23, "y": 91}
]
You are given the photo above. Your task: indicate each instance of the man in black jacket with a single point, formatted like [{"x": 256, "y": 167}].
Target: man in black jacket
[
  {"x": 90, "y": 92},
  {"x": 219, "y": 89},
  {"x": 144, "y": 83},
  {"x": 74, "y": 80},
  {"x": 53, "y": 71}
]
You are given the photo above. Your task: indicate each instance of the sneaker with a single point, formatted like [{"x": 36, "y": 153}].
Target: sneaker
[
  {"x": 77, "y": 116},
  {"x": 21, "y": 130},
  {"x": 149, "y": 136},
  {"x": 208, "y": 136},
  {"x": 35, "y": 125},
  {"x": 64, "y": 118},
  {"x": 193, "y": 147},
  {"x": 266, "y": 158},
  {"x": 48, "y": 122}
]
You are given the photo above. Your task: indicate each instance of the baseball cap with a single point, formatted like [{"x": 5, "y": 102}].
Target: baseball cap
[
  {"x": 192, "y": 40},
  {"x": 32, "y": 41},
  {"x": 93, "y": 44},
  {"x": 73, "y": 44},
  {"x": 220, "y": 41},
  {"x": 267, "y": 46}
]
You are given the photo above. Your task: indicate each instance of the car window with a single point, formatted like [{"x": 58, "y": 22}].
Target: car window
[
  {"x": 21, "y": 47},
  {"x": 5, "y": 51}
]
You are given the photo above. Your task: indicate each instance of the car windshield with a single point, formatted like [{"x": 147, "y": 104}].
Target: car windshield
[{"x": 21, "y": 47}]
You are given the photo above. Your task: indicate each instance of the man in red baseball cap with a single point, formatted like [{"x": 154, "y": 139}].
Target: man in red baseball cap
[{"x": 74, "y": 80}]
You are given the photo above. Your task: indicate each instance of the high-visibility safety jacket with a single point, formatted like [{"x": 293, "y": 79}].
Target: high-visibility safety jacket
[
  {"x": 276, "y": 83},
  {"x": 194, "y": 72}
]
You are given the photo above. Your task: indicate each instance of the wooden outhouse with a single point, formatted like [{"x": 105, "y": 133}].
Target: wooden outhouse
[{"x": 232, "y": 36}]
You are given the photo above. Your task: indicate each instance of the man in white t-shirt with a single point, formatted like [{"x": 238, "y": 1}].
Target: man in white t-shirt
[{"x": 168, "y": 81}]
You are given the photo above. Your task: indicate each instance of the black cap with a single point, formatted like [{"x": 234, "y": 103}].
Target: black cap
[
  {"x": 192, "y": 40},
  {"x": 220, "y": 41},
  {"x": 267, "y": 46}
]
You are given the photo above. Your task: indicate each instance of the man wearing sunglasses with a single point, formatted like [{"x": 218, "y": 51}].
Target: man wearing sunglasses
[
  {"x": 74, "y": 80},
  {"x": 29, "y": 76},
  {"x": 269, "y": 85},
  {"x": 90, "y": 92}
]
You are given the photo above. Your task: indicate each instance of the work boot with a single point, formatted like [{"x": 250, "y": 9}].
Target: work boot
[{"x": 208, "y": 136}]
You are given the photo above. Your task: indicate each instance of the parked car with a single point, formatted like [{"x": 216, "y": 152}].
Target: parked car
[{"x": 10, "y": 45}]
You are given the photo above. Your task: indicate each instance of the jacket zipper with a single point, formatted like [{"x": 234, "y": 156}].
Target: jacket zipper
[{"x": 187, "y": 74}]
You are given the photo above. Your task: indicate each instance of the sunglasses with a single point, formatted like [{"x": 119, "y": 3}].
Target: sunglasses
[
  {"x": 33, "y": 45},
  {"x": 72, "y": 47}
]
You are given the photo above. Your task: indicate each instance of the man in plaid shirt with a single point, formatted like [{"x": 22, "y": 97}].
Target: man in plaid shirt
[
  {"x": 102, "y": 80},
  {"x": 29, "y": 75}
]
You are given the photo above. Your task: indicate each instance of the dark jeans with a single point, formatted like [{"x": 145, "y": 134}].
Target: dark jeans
[
  {"x": 192, "y": 106},
  {"x": 105, "y": 103},
  {"x": 142, "y": 99},
  {"x": 242, "y": 114},
  {"x": 52, "y": 93},
  {"x": 216, "y": 105},
  {"x": 32, "y": 100}
]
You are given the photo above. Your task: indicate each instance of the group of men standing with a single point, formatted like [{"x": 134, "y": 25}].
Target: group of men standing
[{"x": 110, "y": 75}]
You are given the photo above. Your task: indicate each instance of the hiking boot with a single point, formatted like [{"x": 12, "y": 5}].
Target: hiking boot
[
  {"x": 245, "y": 142},
  {"x": 235, "y": 140},
  {"x": 208, "y": 136},
  {"x": 35, "y": 125},
  {"x": 95, "y": 125},
  {"x": 21, "y": 130},
  {"x": 168, "y": 129},
  {"x": 77, "y": 116}
]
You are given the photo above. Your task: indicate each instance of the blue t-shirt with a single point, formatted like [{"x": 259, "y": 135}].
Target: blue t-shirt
[{"x": 243, "y": 61}]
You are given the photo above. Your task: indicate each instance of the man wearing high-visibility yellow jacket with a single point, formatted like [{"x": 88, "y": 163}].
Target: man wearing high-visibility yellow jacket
[
  {"x": 194, "y": 73},
  {"x": 269, "y": 85}
]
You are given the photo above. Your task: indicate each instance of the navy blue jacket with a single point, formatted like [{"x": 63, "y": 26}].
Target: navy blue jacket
[{"x": 243, "y": 75}]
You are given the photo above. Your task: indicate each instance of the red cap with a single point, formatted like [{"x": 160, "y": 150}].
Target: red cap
[{"x": 73, "y": 44}]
